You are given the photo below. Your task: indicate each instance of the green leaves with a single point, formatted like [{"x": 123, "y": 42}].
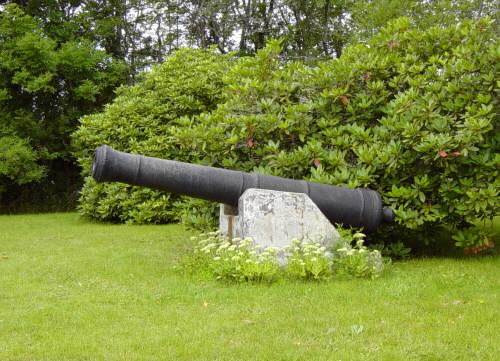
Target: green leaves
[
  {"x": 46, "y": 86},
  {"x": 411, "y": 114},
  {"x": 18, "y": 161},
  {"x": 156, "y": 117}
]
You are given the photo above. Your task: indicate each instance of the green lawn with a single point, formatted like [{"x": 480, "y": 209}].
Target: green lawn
[{"x": 73, "y": 290}]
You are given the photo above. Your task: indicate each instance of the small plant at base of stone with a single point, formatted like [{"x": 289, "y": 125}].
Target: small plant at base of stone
[
  {"x": 308, "y": 260},
  {"x": 237, "y": 259},
  {"x": 358, "y": 260},
  {"x": 393, "y": 251},
  {"x": 240, "y": 260}
]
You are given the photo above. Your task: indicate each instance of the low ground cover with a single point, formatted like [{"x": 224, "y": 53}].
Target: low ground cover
[{"x": 73, "y": 290}]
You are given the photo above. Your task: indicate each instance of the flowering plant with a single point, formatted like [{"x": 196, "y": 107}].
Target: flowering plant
[
  {"x": 238, "y": 259},
  {"x": 241, "y": 260},
  {"x": 309, "y": 260},
  {"x": 358, "y": 260}
]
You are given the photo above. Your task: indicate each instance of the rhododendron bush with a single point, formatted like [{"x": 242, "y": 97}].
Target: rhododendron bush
[{"x": 411, "y": 114}]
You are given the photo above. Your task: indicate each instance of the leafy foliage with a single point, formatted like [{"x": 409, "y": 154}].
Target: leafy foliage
[
  {"x": 18, "y": 162},
  {"x": 411, "y": 114},
  {"x": 368, "y": 17},
  {"x": 44, "y": 87},
  {"x": 141, "y": 120},
  {"x": 358, "y": 260},
  {"x": 395, "y": 250},
  {"x": 309, "y": 261},
  {"x": 241, "y": 260},
  {"x": 473, "y": 240},
  {"x": 237, "y": 260},
  {"x": 62, "y": 59},
  {"x": 143, "y": 32}
]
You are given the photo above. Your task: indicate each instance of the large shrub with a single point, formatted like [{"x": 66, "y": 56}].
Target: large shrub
[
  {"x": 140, "y": 120},
  {"x": 411, "y": 114}
]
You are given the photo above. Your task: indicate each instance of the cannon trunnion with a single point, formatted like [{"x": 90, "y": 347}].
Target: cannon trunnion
[{"x": 351, "y": 207}]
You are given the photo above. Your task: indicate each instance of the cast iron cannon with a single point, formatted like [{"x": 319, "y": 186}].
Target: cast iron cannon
[{"x": 351, "y": 207}]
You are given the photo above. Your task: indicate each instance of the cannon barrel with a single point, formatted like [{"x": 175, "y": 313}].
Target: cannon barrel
[{"x": 350, "y": 207}]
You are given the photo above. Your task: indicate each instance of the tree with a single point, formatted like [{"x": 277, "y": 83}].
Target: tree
[
  {"x": 142, "y": 32},
  {"x": 135, "y": 31},
  {"x": 370, "y": 16},
  {"x": 45, "y": 86},
  {"x": 63, "y": 58}
]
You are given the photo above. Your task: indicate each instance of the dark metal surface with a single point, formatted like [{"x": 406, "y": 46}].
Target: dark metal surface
[{"x": 351, "y": 207}]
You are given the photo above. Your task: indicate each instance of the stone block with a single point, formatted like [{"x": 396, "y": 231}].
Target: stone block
[{"x": 274, "y": 218}]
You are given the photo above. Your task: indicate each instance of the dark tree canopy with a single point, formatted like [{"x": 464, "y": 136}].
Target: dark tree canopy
[
  {"x": 61, "y": 59},
  {"x": 142, "y": 32},
  {"x": 45, "y": 86}
]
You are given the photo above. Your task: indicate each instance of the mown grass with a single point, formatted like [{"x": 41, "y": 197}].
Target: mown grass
[{"x": 73, "y": 290}]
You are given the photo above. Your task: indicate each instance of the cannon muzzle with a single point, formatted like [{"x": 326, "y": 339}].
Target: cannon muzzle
[{"x": 350, "y": 207}]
